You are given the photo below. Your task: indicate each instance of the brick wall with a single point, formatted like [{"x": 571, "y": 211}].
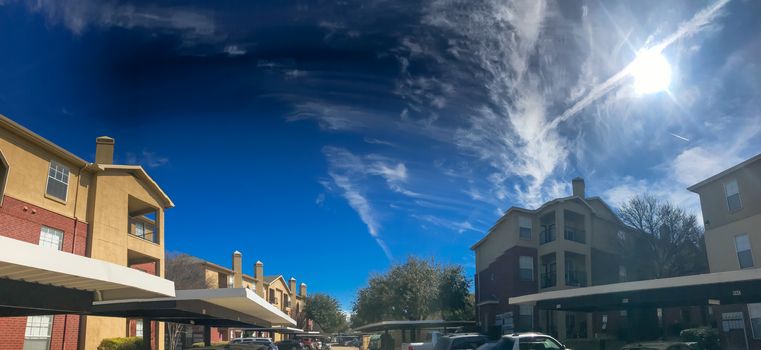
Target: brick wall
[
  {"x": 149, "y": 267},
  {"x": 23, "y": 221}
]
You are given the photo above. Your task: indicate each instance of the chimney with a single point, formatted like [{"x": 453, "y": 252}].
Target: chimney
[
  {"x": 104, "y": 150},
  {"x": 259, "y": 277},
  {"x": 237, "y": 270},
  {"x": 578, "y": 187},
  {"x": 292, "y": 285},
  {"x": 303, "y": 290}
]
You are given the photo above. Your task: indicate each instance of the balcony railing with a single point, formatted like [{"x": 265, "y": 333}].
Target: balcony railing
[
  {"x": 548, "y": 280},
  {"x": 143, "y": 230},
  {"x": 575, "y": 234},
  {"x": 577, "y": 278},
  {"x": 547, "y": 235}
]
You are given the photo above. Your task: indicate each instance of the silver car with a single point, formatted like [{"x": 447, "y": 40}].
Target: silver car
[{"x": 524, "y": 341}]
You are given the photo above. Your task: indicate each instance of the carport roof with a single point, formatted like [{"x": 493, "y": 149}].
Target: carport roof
[
  {"x": 419, "y": 324},
  {"x": 30, "y": 263},
  {"x": 730, "y": 287},
  {"x": 231, "y": 307}
]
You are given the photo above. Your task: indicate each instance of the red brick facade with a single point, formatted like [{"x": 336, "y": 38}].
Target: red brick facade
[{"x": 23, "y": 221}]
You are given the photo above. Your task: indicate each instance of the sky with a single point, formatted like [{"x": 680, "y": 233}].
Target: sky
[{"x": 331, "y": 139}]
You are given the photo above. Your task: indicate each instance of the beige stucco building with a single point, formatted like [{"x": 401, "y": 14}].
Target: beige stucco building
[
  {"x": 285, "y": 295},
  {"x": 731, "y": 206},
  {"x": 114, "y": 213}
]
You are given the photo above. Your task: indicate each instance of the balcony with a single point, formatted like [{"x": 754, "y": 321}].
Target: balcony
[
  {"x": 142, "y": 220},
  {"x": 547, "y": 235},
  {"x": 548, "y": 280},
  {"x": 576, "y": 278},
  {"x": 575, "y": 234}
]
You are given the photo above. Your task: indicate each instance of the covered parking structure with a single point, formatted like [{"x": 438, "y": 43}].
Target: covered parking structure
[
  {"x": 223, "y": 307},
  {"x": 719, "y": 288},
  {"x": 412, "y": 331}
]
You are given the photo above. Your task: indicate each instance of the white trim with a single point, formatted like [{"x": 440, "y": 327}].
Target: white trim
[
  {"x": 683, "y": 281},
  {"x": 68, "y": 181},
  {"x": 31, "y": 263}
]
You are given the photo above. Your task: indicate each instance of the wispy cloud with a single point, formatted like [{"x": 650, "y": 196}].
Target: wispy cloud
[{"x": 146, "y": 159}]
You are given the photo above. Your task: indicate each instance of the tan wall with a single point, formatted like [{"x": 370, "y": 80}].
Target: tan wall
[
  {"x": 713, "y": 200},
  {"x": 28, "y": 175},
  {"x": 110, "y": 240},
  {"x": 503, "y": 236},
  {"x": 720, "y": 244}
]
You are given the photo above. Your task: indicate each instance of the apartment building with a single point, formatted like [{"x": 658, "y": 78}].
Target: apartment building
[
  {"x": 731, "y": 206},
  {"x": 51, "y": 197},
  {"x": 567, "y": 242},
  {"x": 273, "y": 288}
]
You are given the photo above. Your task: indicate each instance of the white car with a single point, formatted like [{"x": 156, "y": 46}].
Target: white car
[{"x": 525, "y": 341}]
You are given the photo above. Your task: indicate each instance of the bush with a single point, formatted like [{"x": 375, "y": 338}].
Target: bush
[
  {"x": 707, "y": 338},
  {"x": 128, "y": 343}
]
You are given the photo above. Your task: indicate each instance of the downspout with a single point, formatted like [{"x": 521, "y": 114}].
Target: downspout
[{"x": 73, "y": 245}]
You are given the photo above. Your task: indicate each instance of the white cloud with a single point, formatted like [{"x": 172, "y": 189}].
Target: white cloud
[
  {"x": 234, "y": 50},
  {"x": 146, "y": 159}
]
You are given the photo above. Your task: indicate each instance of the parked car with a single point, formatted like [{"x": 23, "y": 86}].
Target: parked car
[
  {"x": 290, "y": 344},
  {"x": 659, "y": 345},
  {"x": 266, "y": 342},
  {"x": 524, "y": 341},
  {"x": 462, "y": 341},
  {"x": 236, "y": 346}
]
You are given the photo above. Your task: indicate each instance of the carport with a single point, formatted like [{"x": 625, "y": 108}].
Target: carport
[
  {"x": 731, "y": 287},
  {"x": 647, "y": 297},
  {"x": 37, "y": 280},
  {"x": 224, "y": 307},
  {"x": 410, "y": 329}
]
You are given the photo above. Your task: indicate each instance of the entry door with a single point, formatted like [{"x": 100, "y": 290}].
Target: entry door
[{"x": 733, "y": 327}]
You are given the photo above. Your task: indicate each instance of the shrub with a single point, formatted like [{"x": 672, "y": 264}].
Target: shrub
[
  {"x": 128, "y": 343},
  {"x": 707, "y": 338}
]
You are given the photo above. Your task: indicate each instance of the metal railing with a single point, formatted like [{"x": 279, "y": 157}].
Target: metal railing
[
  {"x": 548, "y": 280},
  {"x": 547, "y": 235},
  {"x": 576, "y": 278},
  {"x": 575, "y": 234}
]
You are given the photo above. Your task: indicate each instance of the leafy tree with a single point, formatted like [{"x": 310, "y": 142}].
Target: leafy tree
[
  {"x": 323, "y": 309},
  {"x": 414, "y": 290},
  {"x": 186, "y": 273},
  {"x": 669, "y": 241}
]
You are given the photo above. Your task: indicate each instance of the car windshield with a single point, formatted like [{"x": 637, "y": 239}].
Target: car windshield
[{"x": 380, "y": 174}]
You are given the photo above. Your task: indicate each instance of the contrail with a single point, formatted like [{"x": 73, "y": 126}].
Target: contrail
[
  {"x": 686, "y": 29},
  {"x": 679, "y": 137}
]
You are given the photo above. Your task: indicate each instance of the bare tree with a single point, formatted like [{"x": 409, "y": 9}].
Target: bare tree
[
  {"x": 187, "y": 273},
  {"x": 670, "y": 240}
]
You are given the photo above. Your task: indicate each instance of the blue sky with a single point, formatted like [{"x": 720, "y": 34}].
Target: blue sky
[{"x": 330, "y": 139}]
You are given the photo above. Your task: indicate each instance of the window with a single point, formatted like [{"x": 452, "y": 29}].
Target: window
[
  {"x": 140, "y": 229},
  {"x": 138, "y": 328},
  {"x": 37, "y": 333},
  {"x": 754, "y": 311},
  {"x": 51, "y": 238},
  {"x": 526, "y": 264},
  {"x": 58, "y": 181},
  {"x": 230, "y": 281},
  {"x": 732, "y": 192},
  {"x": 524, "y": 227},
  {"x": 744, "y": 254}
]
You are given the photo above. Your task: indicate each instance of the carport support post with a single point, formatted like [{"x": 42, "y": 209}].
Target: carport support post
[
  {"x": 147, "y": 334},
  {"x": 206, "y": 336}
]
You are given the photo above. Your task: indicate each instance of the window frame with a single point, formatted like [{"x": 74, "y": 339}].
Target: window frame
[
  {"x": 727, "y": 195},
  {"x": 48, "y": 177},
  {"x": 757, "y": 308},
  {"x": 139, "y": 328},
  {"x": 44, "y": 230},
  {"x": 749, "y": 250},
  {"x": 521, "y": 227},
  {"x": 30, "y": 324},
  {"x": 521, "y": 268}
]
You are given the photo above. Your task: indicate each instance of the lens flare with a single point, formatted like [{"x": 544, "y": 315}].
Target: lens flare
[{"x": 651, "y": 72}]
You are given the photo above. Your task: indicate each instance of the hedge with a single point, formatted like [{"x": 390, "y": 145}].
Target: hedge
[{"x": 128, "y": 343}]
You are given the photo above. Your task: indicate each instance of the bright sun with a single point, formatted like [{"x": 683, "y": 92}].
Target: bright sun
[{"x": 651, "y": 72}]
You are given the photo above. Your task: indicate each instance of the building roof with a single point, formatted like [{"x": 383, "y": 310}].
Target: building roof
[
  {"x": 743, "y": 164},
  {"x": 729, "y": 287},
  {"x": 139, "y": 173},
  {"x": 539, "y": 210},
  {"x": 41, "y": 141},
  {"x": 28, "y": 262}
]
